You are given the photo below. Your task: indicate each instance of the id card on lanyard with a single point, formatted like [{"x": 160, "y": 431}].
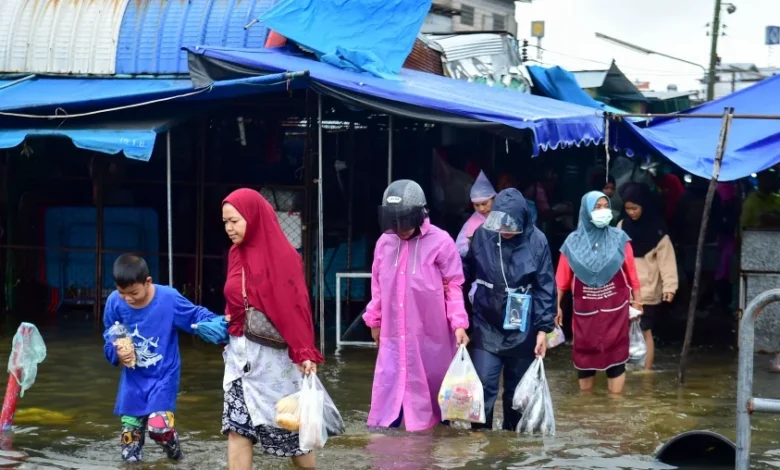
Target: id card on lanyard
[{"x": 516, "y": 314}]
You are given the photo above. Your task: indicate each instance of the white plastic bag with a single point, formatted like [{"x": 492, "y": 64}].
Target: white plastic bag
[
  {"x": 637, "y": 348},
  {"x": 312, "y": 433},
  {"x": 527, "y": 386},
  {"x": 538, "y": 415},
  {"x": 311, "y": 413},
  {"x": 555, "y": 337},
  {"x": 461, "y": 396}
]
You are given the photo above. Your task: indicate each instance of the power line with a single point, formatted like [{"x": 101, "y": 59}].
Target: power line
[{"x": 626, "y": 68}]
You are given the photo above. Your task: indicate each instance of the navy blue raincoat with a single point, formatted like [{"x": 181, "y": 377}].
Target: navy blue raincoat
[{"x": 527, "y": 265}]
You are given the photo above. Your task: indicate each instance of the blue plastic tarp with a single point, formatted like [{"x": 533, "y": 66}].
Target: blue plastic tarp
[
  {"x": 374, "y": 36},
  {"x": 134, "y": 139},
  {"x": 553, "y": 123},
  {"x": 117, "y": 131},
  {"x": 753, "y": 144},
  {"x": 64, "y": 93},
  {"x": 560, "y": 84}
]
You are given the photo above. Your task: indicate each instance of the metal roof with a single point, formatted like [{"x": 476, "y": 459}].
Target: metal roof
[
  {"x": 611, "y": 82},
  {"x": 107, "y": 37},
  {"x": 668, "y": 95}
]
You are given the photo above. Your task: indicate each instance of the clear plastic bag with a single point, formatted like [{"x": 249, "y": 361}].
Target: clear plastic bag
[
  {"x": 27, "y": 352},
  {"x": 461, "y": 396},
  {"x": 312, "y": 433},
  {"x": 311, "y": 413},
  {"x": 637, "y": 348},
  {"x": 538, "y": 414},
  {"x": 119, "y": 336},
  {"x": 516, "y": 315},
  {"x": 528, "y": 384},
  {"x": 555, "y": 337}
]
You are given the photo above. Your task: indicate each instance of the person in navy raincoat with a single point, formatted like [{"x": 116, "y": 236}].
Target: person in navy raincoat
[{"x": 509, "y": 259}]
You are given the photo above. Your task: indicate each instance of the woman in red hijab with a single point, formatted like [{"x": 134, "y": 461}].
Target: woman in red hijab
[
  {"x": 257, "y": 376},
  {"x": 672, "y": 190}
]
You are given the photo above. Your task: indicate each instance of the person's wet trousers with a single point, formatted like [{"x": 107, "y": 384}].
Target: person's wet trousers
[{"x": 489, "y": 367}]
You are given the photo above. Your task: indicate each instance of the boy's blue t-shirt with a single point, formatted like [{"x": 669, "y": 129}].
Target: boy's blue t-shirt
[{"x": 154, "y": 383}]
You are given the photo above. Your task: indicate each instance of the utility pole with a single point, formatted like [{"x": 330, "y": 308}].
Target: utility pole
[{"x": 713, "y": 52}]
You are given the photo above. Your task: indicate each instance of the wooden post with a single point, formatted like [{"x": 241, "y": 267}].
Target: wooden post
[{"x": 728, "y": 115}]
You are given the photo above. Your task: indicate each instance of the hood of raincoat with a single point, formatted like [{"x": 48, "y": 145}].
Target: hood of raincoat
[
  {"x": 527, "y": 267},
  {"x": 482, "y": 190},
  {"x": 511, "y": 202}
]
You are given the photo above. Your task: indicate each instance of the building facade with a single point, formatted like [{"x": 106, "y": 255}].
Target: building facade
[{"x": 448, "y": 16}]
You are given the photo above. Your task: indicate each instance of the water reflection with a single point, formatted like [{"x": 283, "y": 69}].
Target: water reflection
[{"x": 65, "y": 421}]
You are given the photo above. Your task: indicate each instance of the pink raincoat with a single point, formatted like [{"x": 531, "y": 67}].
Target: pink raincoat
[
  {"x": 417, "y": 324},
  {"x": 474, "y": 222}
]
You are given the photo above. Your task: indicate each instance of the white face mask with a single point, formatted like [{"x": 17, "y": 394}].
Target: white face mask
[{"x": 601, "y": 217}]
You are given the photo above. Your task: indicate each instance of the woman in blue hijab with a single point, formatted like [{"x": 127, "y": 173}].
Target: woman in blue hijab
[{"x": 597, "y": 266}]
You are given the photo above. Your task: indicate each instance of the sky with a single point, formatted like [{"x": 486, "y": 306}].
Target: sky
[{"x": 674, "y": 27}]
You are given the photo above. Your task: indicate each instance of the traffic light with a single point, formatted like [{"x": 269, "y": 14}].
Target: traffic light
[{"x": 524, "y": 51}]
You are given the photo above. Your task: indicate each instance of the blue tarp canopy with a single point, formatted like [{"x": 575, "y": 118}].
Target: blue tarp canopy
[
  {"x": 374, "y": 36},
  {"x": 418, "y": 95},
  {"x": 753, "y": 144},
  {"x": 134, "y": 138},
  {"x": 25, "y": 104},
  {"x": 558, "y": 83}
]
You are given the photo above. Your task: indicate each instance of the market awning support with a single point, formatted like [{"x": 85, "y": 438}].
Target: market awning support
[
  {"x": 728, "y": 115},
  {"x": 169, "y": 205},
  {"x": 389, "y": 150},
  {"x": 320, "y": 236}
]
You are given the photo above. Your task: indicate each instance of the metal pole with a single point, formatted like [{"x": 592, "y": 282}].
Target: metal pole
[
  {"x": 170, "y": 211},
  {"x": 390, "y": 150},
  {"x": 745, "y": 374},
  {"x": 713, "y": 52},
  {"x": 99, "y": 247},
  {"x": 320, "y": 237},
  {"x": 724, "y": 134}
]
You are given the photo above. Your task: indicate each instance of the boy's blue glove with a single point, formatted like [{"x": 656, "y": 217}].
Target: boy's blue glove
[{"x": 212, "y": 331}]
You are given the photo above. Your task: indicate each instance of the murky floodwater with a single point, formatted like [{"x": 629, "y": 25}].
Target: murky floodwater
[{"x": 65, "y": 421}]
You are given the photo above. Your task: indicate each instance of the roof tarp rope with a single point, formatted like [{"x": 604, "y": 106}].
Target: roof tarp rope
[
  {"x": 417, "y": 95},
  {"x": 753, "y": 144}
]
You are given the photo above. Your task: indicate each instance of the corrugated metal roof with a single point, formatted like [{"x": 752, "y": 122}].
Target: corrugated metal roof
[
  {"x": 154, "y": 31},
  {"x": 590, "y": 78},
  {"x": 464, "y": 46},
  {"x": 59, "y": 36},
  {"x": 106, "y": 37}
]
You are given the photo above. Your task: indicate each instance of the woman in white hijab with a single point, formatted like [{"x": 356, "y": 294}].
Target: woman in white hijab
[{"x": 482, "y": 196}]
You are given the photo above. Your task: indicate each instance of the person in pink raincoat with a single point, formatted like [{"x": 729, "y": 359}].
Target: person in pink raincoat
[
  {"x": 415, "y": 325},
  {"x": 482, "y": 196}
]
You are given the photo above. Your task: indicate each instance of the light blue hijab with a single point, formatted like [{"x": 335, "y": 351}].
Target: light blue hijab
[{"x": 594, "y": 254}]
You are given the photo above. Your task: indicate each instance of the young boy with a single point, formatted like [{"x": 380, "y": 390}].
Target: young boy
[{"x": 147, "y": 392}]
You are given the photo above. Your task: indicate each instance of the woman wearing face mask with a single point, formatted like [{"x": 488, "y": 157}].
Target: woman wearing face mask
[
  {"x": 654, "y": 253},
  {"x": 597, "y": 265},
  {"x": 482, "y": 195},
  {"x": 415, "y": 325},
  {"x": 514, "y": 303}
]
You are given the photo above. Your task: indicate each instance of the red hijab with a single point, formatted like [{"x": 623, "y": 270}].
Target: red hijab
[
  {"x": 673, "y": 190},
  {"x": 274, "y": 276}
]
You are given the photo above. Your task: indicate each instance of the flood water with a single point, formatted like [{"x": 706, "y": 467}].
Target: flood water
[{"x": 65, "y": 420}]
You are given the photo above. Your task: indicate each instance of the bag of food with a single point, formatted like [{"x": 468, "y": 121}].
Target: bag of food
[
  {"x": 310, "y": 412},
  {"x": 461, "y": 396},
  {"x": 538, "y": 415},
  {"x": 637, "y": 348},
  {"x": 555, "y": 337},
  {"x": 527, "y": 386},
  {"x": 119, "y": 336}
]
